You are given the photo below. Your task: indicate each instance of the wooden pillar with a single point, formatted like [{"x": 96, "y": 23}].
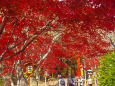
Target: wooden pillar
[
  {"x": 29, "y": 81},
  {"x": 52, "y": 75},
  {"x": 78, "y": 71}
]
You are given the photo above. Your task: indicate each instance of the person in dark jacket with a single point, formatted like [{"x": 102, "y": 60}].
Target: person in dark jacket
[
  {"x": 61, "y": 82},
  {"x": 70, "y": 81}
]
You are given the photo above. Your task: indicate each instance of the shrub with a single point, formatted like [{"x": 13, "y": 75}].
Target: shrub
[{"x": 107, "y": 70}]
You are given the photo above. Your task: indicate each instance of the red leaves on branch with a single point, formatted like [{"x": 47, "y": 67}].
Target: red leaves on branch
[
  {"x": 58, "y": 51},
  {"x": 79, "y": 20},
  {"x": 90, "y": 63},
  {"x": 51, "y": 63}
]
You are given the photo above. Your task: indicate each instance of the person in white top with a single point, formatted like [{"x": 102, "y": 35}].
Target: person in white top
[
  {"x": 80, "y": 81},
  {"x": 61, "y": 82},
  {"x": 90, "y": 81}
]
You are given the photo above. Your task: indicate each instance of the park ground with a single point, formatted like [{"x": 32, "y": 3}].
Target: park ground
[{"x": 52, "y": 83}]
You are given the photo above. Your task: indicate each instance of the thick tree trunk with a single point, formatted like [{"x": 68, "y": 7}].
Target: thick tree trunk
[
  {"x": 12, "y": 83},
  {"x": 18, "y": 82},
  {"x": 37, "y": 77}
]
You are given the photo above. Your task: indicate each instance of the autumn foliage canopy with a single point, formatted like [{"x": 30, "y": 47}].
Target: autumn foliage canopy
[{"x": 27, "y": 29}]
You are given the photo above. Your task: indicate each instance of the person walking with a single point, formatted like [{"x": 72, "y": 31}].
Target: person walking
[
  {"x": 61, "y": 81},
  {"x": 81, "y": 81},
  {"x": 76, "y": 81},
  {"x": 90, "y": 82},
  {"x": 70, "y": 81}
]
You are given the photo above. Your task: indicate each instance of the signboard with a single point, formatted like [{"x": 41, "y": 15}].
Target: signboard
[
  {"x": 30, "y": 69},
  {"x": 81, "y": 71}
]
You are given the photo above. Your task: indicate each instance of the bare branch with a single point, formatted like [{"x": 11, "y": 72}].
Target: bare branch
[
  {"x": 2, "y": 25},
  {"x": 112, "y": 42}
]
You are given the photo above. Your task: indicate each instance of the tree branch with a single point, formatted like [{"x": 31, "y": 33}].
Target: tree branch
[
  {"x": 2, "y": 25},
  {"x": 43, "y": 29},
  {"x": 112, "y": 42},
  {"x": 49, "y": 49},
  {"x": 25, "y": 46}
]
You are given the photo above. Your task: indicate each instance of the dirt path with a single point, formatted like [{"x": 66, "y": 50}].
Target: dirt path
[{"x": 50, "y": 82}]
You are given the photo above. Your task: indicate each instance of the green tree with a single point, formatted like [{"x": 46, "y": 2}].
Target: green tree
[{"x": 107, "y": 70}]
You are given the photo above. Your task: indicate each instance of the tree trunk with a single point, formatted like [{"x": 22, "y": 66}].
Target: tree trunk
[
  {"x": 18, "y": 82},
  {"x": 12, "y": 83}
]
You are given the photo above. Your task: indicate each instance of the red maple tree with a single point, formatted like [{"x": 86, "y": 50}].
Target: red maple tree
[{"x": 80, "y": 22}]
